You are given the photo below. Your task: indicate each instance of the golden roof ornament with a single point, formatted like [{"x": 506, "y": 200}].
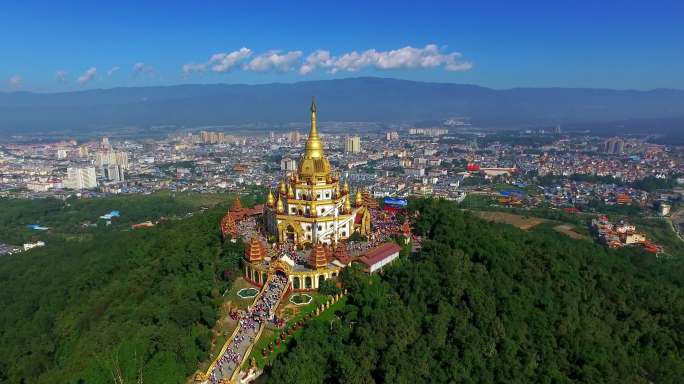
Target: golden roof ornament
[
  {"x": 282, "y": 188},
  {"x": 290, "y": 192},
  {"x": 270, "y": 200},
  {"x": 280, "y": 208},
  {"x": 347, "y": 205},
  {"x": 358, "y": 199},
  {"x": 345, "y": 187}
]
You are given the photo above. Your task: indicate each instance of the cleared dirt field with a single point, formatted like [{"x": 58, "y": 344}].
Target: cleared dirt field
[
  {"x": 568, "y": 230},
  {"x": 510, "y": 218}
]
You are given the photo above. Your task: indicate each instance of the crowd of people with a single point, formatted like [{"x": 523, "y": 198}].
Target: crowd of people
[
  {"x": 247, "y": 228},
  {"x": 262, "y": 311},
  {"x": 289, "y": 250},
  {"x": 385, "y": 226}
]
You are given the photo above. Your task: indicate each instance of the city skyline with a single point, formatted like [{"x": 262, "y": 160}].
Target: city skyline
[{"x": 499, "y": 45}]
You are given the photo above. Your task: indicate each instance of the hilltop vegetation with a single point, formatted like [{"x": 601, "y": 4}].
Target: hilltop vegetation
[
  {"x": 138, "y": 303},
  {"x": 483, "y": 302},
  {"x": 488, "y": 303}
]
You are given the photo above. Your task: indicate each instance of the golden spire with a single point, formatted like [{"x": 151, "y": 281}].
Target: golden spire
[
  {"x": 280, "y": 208},
  {"x": 282, "y": 188},
  {"x": 314, "y": 146},
  {"x": 290, "y": 192},
  {"x": 359, "y": 198},
  {"x": 345, "y": 187},
  {"x": 237, "y": 205},
  {"x": 270, "y": 200},
  {"x": 347, "y": 205}
]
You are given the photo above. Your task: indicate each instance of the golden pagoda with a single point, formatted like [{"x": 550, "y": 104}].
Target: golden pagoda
[{"x": 311, "y": 205}]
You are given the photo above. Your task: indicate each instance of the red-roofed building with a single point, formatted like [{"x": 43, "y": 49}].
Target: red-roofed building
[
  {"x": 473, "y": 167},
  {"x": 376, "y": 258}
]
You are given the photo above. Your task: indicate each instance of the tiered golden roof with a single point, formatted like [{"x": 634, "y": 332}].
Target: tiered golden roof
[
  {"x": 317, "y": 257},
  {"x": 255, "y": 250},
  {"x": 341, "y": 253}
]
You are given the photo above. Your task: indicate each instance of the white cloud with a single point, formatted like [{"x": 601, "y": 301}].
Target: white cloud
[
  {"x": 14, "y": 81},
  {"x": 430, "y": 56},
  {"x": 112, "y": 71},
  {"x": 61, "y": 76},
  {"x": 320, "y": 58},
  {"x": 141, "y": 69},
  {"x": 403, "y": 58},
  {"x": 87, "y": 75},
  {"x": 219, "y": 62},
  {"x": 274, "y": 61}
]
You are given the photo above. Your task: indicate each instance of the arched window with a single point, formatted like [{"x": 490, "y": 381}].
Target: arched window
[
  {"x": 321, "y": 279},
  {"x": 307, "y": 282},
  {"x": 264, "y": 277},
  {"x": 296, "y": 283}
]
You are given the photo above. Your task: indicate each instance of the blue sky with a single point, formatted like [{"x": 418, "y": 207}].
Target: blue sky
[{"x": 60, "y": 46}]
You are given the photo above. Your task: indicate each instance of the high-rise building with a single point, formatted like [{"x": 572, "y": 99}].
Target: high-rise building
[
  {"x": 293, "y": 137},
  {"x": 614, "y": 146},
  {"x": 61, "y": 154},
  {"x": 81, "y": 178},
  {"x": 208, "y": 137},
  {"x": 288, "y": 164},
  {"x": 83, "y": 151},
  {"x": 104, "y": 144},
  {"x": 104, "y": 158},
  {"x": 113, "y": 172},
  {"x": 121, "y": 159},
  {"x": 392, "y": 136},
  {"x": 352, "y": 144}
]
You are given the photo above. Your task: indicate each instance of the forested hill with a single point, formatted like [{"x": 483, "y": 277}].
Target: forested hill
[
  {"x": 489, "y": 303},
  {"x": 353, "y": 99},
  {"x": 98, "y": 302}
]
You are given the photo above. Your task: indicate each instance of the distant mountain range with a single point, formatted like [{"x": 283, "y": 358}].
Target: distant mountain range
[{"x": 353, "y": 99}]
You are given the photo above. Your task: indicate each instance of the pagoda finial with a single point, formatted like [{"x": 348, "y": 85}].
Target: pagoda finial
[
  {"x": 237, "y": 205},
  {"x": 314, "y": 146},
  {"x": 270, "y": 200}
]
